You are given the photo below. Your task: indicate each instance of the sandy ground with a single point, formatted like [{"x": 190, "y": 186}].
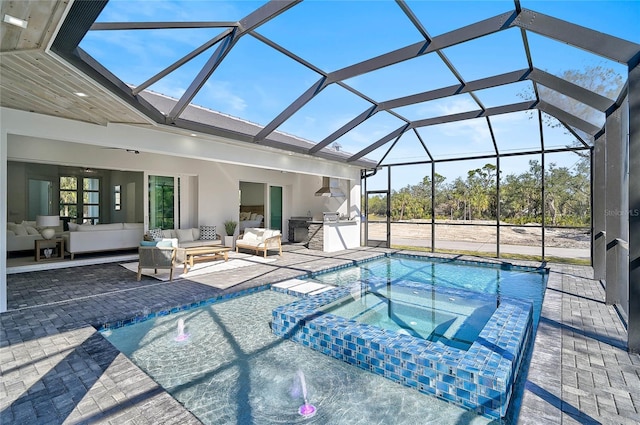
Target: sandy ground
[{"x": 521, "y": 235}]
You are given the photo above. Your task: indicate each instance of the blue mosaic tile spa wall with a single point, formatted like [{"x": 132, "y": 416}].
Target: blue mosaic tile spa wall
[{"x": 480, "y": 378}]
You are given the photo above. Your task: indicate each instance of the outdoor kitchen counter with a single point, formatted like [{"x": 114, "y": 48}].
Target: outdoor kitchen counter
[{"x": 330, "y": 236}]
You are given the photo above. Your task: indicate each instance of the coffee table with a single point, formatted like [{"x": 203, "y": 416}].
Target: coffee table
[{"x": 204, "y": 253}]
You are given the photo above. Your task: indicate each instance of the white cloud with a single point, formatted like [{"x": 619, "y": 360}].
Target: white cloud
[{"x": 221, "y": 92}]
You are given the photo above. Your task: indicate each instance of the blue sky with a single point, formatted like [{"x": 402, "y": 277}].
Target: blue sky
[{"x": 256, "y": 82}]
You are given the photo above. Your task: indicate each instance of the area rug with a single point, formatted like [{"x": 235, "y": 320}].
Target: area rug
[{"x": 236, "y": 260}]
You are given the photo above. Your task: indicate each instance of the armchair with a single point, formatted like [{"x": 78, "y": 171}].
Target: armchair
[{"x": 156, "y": 257}]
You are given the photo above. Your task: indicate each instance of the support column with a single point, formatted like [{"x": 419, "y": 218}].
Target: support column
[
  {"x": 598, "y": 196},
  {"x": 3, "y": 218},
  {"x": 617, "y": 206},
  {"x": 633, "y": 330}
]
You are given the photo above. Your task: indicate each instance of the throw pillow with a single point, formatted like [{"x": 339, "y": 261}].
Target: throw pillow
[
  {"x": 253, "y": 216},
  {"x": 156, "y": 234},
  {"x": 20, "y": 230},
  {"x": 32, "y": 230},
  {"x": 73, "y": 227},
  {"x": 184, "y": 235},
  {"x": 207, "y": 233}
]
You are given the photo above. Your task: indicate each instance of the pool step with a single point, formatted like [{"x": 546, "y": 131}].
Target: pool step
[{"x": 302, "y": 287}]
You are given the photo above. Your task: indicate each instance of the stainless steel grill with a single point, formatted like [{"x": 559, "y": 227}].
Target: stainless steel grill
[{"x": 330, "y": 217}]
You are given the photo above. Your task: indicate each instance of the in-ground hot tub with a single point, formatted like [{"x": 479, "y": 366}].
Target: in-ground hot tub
[{"x": 478, "y": 374}]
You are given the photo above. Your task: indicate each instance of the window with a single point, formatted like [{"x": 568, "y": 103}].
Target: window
[
  {"x": 90, "y": 200},
  {"x": 69, "y": 197},
  {"x": 117, "y": 200},
  {"x": 80, "y": 204}
]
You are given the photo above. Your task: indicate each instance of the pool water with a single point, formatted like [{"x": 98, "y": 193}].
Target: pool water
[
  {"x": 233, "y": 370},
  {"x": 422, "y": 311},
  {"x": 524, "y": 283}
]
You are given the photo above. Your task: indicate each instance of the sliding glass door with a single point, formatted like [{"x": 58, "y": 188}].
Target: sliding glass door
[
  {"x": 275, "y": 207},
  {"x": 164, "y": 202}
]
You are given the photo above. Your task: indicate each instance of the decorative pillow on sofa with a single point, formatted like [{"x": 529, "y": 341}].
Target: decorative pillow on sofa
[
  {"x": 156, "y": 234},
  {"x": 32, "y": 230},
  {"x": 20, "y": 230},
  {"x": 184, "y": 235},
  {"x": 207, "y": 233}
]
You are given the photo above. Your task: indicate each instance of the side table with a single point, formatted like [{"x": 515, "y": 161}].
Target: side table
[{"x": 47, "y": 243}]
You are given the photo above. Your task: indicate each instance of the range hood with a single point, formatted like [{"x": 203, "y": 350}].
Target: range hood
[{"x": 330, "y": 188}]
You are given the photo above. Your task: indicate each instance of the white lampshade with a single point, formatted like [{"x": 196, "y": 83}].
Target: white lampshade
[{"x": 47, "y": 220}]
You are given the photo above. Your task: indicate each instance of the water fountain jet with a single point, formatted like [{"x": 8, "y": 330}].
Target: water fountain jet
[
  {"x": 182, "y": 335},
  {"x": 306, "y": 410}
]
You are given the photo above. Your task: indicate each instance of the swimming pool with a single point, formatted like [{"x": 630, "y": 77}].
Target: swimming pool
[
  {"x": 469, "y": 356},
  {"x": 231, "y": 369}
]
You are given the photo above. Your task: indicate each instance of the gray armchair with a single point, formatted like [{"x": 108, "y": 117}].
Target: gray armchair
[{"x": 156, "y": 257}]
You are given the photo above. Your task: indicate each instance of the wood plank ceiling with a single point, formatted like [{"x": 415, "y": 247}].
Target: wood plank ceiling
[{"x": 33, "y": 79}]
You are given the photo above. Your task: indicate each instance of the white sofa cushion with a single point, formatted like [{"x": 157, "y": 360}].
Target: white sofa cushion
[
  {"x": 200, "y": 242},
  {"x": 133, "y": 225},
  {"x": 185, "y": 235},
  {"x": 101, "y": 227},
  {"x": 252, "y": 234},
  {"x": 269, "y": 233}
]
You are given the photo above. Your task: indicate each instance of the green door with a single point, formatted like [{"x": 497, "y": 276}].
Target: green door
[
  {"x": 275, "y": 207},
  {"x": 162, "y": 202}
]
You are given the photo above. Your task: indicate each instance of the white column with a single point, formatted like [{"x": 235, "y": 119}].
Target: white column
[{"x": 3, "y": 219}]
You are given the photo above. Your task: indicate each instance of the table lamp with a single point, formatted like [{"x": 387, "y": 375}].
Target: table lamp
[{"x": 48, "y": 221}]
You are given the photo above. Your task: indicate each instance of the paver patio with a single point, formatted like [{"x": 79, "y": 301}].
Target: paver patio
[{"x": 57, "y": 369}]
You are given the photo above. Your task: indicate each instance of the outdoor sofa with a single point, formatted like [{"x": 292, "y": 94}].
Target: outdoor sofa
[{"x": 258, "y": 239}]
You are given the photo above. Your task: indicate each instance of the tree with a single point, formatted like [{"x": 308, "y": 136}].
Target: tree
[{"x": 481, "y": 184}]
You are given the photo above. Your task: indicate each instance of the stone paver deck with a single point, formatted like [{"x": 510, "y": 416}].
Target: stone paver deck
[{"x": 57, "y": 369}]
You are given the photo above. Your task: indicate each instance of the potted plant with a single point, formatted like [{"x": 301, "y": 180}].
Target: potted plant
[{"x": 230, "y": 228}]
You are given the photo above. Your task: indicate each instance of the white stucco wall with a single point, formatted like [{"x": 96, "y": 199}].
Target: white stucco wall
[{"x": 210, "y": 168}]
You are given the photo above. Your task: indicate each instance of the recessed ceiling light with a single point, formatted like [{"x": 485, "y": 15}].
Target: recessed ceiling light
[
  {"x": 15, "y": 21},
  {"x": 80, "y": 94},
  {"x": 193, "y": 135}
]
